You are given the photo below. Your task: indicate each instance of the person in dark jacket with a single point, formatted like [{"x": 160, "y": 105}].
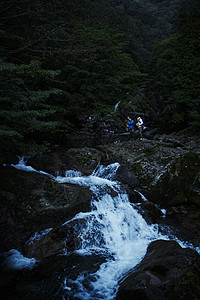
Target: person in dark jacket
[{"x": 130, "y": 126}]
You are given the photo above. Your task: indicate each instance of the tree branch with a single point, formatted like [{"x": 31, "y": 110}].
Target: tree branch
[{"x": 34, "y": 42}]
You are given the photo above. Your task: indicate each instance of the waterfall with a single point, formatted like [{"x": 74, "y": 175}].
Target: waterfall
[
  {"x": 114, "y": 228},
  {"x": 116, "y": 106}
]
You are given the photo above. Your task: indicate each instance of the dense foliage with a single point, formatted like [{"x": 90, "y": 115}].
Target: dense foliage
[
  {"x": 176, "y": 70},
  {"x": 62, "y": 59},
  {"x": 54, "y": 68}
]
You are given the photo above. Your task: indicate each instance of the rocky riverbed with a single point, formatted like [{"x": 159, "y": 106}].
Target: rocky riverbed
[
  {"x": 165, "y": 169},
  {"x": 168, "y": 170}
]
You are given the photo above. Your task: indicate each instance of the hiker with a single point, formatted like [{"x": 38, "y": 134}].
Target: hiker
[
  {"x": 139, "y": 125},
  {"x": 130, "y": 126}
]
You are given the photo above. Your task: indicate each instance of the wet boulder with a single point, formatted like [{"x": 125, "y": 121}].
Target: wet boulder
[
  {"x": 53, "y": 163},
  {"x": 133, "y": 195},
  {"x": 83, "y": 159},
  {"x": 124, "y": 176},
  {"x": 150, "y": 212},
  {"x": 60, "y": 240},
  {"x": 128, "y": 183},
  {"x": 33, "y": 202},
  {"x": 167, "y": 269}
]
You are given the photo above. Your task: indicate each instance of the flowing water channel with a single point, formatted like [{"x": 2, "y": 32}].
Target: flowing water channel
[{"x": 114, "y": 229}]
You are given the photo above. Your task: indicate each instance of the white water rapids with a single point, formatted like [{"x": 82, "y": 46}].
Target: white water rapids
[{"x": 114, "y": 227}]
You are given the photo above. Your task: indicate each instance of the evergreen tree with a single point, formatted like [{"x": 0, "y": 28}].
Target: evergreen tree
[
  {"x": 25, "y": 112},
  {"x": 176, "y": 69}
]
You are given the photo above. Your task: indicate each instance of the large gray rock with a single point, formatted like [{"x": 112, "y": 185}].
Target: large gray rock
[
  {"x": 83, "y": 159},
  {"x": 52, "y": 162},
  {"x": 62, "y": 239},
  {"x": 33, "y": 202},
  {"x": 124, "y": 176},
  {"x": 166, "y": 272},
  {"x": 150, "y": 212},
  {"x": 174, "y": 187},
  {"x": 167, "y": 168}
]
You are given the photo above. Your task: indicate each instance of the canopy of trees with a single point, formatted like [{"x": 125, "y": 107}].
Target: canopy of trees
[
  {"x": 176, "y": 69},
  {"x": 61, "y": 59}
]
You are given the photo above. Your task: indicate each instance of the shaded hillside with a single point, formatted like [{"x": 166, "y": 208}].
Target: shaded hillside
[
  {"x": 62, "y": 59},
  {"x": 175, "y": 70}
]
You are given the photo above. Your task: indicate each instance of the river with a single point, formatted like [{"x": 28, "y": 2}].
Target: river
[{"x": 114, "y": 229}]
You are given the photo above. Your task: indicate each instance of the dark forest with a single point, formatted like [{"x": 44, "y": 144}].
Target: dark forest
[{"x": 65, "y": 61}]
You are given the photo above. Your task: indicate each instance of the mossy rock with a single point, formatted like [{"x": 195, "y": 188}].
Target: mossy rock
[
  {"x": 85, "y": 159},
  {"x": 137, "y": 168},
  {"x": 190, "y": 284},
  {"x": 175, "y": 186}
]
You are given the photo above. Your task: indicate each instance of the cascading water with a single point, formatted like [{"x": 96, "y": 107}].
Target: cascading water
[
  {"x": 114, "y": 228},
  {"x": 116, "y": 106},
  {"x": 123, "y": 235}
]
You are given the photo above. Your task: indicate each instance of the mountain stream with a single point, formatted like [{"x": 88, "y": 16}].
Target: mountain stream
[{"x": 114, "y": 229}]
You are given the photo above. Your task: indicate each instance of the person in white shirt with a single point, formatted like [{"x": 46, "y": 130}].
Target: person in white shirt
[{"x": 139, "y": 124}]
